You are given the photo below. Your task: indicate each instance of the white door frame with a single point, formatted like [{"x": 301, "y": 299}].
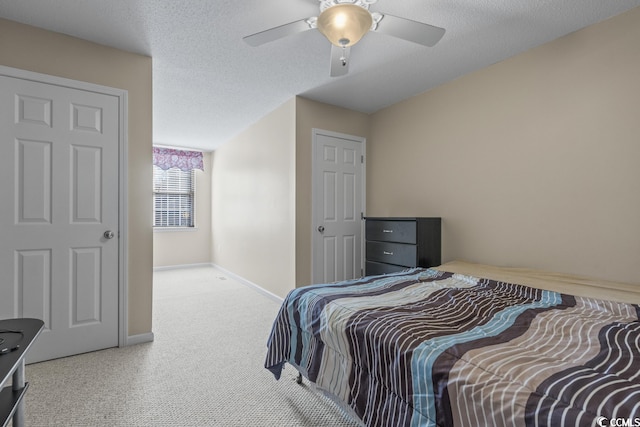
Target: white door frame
[
  {"x": 122, "y": 96},
  {"x": 314, "y": 220}
]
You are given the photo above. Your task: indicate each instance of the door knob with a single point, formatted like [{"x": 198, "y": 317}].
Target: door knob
[
  {"x": 109, "y": 234},
  {"x": 321, "y": 229}
]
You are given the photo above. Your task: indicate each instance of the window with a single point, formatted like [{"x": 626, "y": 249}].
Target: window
[{"x": 173, "y": 197}]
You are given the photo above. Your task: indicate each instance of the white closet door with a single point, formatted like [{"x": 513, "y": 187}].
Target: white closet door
[
  {"x": 338, "y": 188},
  {"x": 59, "y": 165}
]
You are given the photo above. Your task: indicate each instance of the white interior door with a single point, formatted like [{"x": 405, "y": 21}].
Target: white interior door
[
  {"x": 338, "y": 206},
  {"x": 59, "y": 165}
]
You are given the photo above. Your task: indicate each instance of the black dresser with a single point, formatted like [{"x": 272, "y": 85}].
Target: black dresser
[{"x": 395, "y": 244}]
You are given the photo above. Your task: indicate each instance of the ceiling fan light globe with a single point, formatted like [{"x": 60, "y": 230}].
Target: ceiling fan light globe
[{"x": 344, "y": 23}]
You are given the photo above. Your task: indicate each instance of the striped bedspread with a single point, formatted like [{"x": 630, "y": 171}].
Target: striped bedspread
[{"x": 430, "y": 348}]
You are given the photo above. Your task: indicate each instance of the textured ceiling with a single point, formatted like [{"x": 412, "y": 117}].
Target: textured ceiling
[{"x": 208, "y": 85}]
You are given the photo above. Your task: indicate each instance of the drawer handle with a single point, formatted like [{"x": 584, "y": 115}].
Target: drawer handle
[
  {"x": 387, "y": 231},
  {"x": 387, "y": 253}
]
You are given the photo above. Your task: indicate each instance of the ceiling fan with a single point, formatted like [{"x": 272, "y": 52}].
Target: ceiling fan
[{"x": 344, "y": 23}]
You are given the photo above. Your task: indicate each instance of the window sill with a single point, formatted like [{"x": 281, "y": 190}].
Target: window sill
[{"x": 174, "y": 229}]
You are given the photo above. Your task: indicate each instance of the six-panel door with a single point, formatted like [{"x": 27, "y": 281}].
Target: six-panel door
[{"x": 59, "y": 164}]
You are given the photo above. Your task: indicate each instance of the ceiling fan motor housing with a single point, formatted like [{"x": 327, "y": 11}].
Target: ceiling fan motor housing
[{"x": 326, "y": 4}]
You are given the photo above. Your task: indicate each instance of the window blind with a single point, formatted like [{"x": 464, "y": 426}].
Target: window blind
[{"x": 173, "y": 198}]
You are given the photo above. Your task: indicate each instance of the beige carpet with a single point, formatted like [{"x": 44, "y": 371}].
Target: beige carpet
[{"x": 205, "y": 368}]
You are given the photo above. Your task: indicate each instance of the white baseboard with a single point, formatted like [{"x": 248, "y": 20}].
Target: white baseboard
[
  {"x": 140, "y": 338},
  {"x": 248, "y": 283},
  {"x": 181, "y": 266}
]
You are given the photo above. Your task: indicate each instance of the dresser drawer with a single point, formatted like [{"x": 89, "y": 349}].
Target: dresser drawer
[
  {"x": 391, "y": 231},
  {"x": 392, "y": 253},
  {"x": 376, "y": 268}
]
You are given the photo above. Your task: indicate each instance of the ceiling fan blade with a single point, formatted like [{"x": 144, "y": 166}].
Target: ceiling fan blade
[
  {"x": 339, "y": 60},
  {"x": 406, "y": 29},
  {"x": 276, "y": 33}
]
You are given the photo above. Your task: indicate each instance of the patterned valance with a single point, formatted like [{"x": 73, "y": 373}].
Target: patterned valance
[{"x": 167, "y": 158}]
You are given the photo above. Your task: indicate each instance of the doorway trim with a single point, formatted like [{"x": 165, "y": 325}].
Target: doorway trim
[
  {"x": 123, "y": 207},
  {"x": 314, "y": 221}
]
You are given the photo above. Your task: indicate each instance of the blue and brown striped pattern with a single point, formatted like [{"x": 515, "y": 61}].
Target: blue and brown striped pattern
[{"x": 430, "y": 348}]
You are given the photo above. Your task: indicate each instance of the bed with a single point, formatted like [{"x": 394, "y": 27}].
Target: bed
[{"x": 467, "y": 345}]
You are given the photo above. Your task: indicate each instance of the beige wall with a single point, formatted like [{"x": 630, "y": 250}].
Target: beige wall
[
  {"x": 179, "y": 247},
  {"x": 262, "y": 194},
  {"x": 530, "y": 162},
  {"x": 310, "y": 115},
  {"x": 253, "y": 202},
  {"x": 41, "y": 51}
]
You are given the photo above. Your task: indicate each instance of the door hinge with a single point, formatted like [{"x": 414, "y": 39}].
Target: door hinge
[
  {"x": 362, "y": 159},
  {"x": 362, "y": 216}
]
